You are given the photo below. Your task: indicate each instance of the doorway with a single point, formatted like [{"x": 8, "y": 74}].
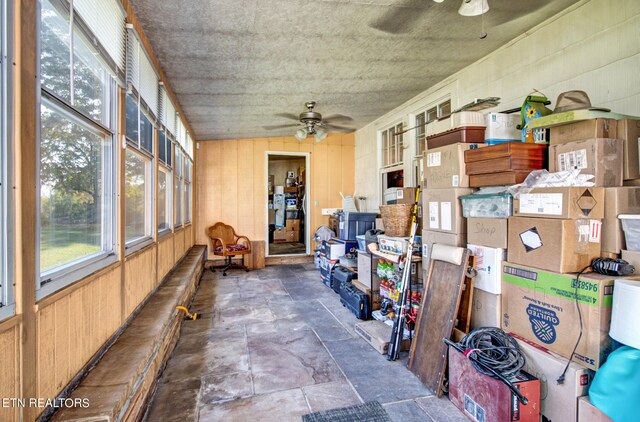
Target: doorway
[{"x": 287, "y": 228}]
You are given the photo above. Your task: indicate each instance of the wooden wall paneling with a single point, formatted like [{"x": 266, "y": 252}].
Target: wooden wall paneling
[
  {"x": 10, "y": 371},
  {"x": 245, "y": 191},
  {"x": 230, "y": 195},
  {"x": 61, "y": 343},
  {"x": 320, "y": 182},
  {"x": 307, "y": 147},
  {"x": 276, "y": 144},
  {"x": 166, "y": 257},
  {"x": 291, "y": 144},
  {"x": 76, "y": 332},
  {"x": 89, "y": 318},
  {"x": 178, "y": 245},
  {"x": 348, "y": 179},
  {"x": 260, "y": 146},
  {"x": 335, "y": 176},
  {"x": 46, "y": 359},
  {"x": 215, "y": 160}
]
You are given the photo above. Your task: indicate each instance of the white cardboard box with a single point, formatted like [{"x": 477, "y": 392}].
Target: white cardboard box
[
  {"x": 489, "y": 268},
  {"x": 559, "y": 402},
  {"x": 486, "y": 309}
]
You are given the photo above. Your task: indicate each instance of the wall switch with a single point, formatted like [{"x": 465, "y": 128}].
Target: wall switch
[{"x": 329, "y": 211}]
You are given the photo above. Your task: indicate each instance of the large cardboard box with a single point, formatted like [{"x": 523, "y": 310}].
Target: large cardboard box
[
  {"x": 623, "y": 200},
  {"x": 364, "y": 268},
  {"x": 629, "y": 131},
  {"x": 587, "y": 412},
  {"x": 430, "y": 237},
  {"x": 584, "y": 129},
  {"x": 563, "y": 246},
  {"x": 559, "y": 401},
  {"x": 599, "y": 157},
  {"x": 487, "y": 232},
  {"x": 567, "y": 202},
  {"x": 292, "y": 225},
  {"x": 444, "y": 167},
  {"x": 488, "y": 267},
  {"x": 442, "y": 210},
  {"x": 486, "y": 309},
  {"x": 540, "y": 306}
]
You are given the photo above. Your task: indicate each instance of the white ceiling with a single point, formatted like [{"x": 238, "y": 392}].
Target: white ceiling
[{"x": 235, "y": 64}]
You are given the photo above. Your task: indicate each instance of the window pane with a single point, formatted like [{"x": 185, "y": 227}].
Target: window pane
[
  {"x": 163, "y": 212},
  {"x": 89, "y": 81},
  {"x": 444, "y": 109},
  {"x": 137, "y": 198},
  {"x": 186, "y": 202},
  {"x": 73, "y": 199},
  {"x": 132, "y": 118},
  {"x": 146, "y": 133},
  {"x": 169, "y": 152},
  {"x": 54, "y": 56},
  {"x": 178, "y": 198},
  {"x": 432, "y": 114},
  {"x": 162, "y": 146}
]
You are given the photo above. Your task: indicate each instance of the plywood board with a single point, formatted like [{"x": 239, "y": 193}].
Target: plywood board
[{"x": 440, "y": 303}]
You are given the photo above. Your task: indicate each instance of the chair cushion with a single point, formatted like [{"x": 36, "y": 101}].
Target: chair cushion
[{"x": 233, "y": 248}]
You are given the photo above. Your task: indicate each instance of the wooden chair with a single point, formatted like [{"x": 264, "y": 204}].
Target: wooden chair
[{"x": 225, "y": 242}]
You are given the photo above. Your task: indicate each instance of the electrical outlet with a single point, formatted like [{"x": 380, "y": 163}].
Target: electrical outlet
[{"x": 329, "y": 211}]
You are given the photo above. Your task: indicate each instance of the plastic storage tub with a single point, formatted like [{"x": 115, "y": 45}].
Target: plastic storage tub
[
  {"x": 502, "y": 128},
  {"x": 352, "y": 224},
  {"x": 456, "y": 120},
  {"x": 498, "y": 205},
  {"x": 631, "y": 228},
  {"x": 362, "y": 243}
]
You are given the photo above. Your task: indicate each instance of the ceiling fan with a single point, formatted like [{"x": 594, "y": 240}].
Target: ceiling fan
[{"x": 313, "y": 123}]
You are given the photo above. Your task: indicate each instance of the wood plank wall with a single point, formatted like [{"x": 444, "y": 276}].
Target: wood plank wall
[{"x": 231, "y": 186}]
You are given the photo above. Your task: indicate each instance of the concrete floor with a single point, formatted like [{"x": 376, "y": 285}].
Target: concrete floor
[{"x": 275, "y": 344}]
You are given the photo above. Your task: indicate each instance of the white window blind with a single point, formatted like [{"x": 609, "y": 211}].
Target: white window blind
[
  {"x": 105, "y": 19},
  {"x": 168, "y": 112},
  {"x": 180, "y": 132},
  {"x": 141, "y": 73},
  {"x": 189, "y": 147}
]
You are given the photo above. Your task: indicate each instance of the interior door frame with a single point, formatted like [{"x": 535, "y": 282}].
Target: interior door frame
[{"x": 307, "y": 200}]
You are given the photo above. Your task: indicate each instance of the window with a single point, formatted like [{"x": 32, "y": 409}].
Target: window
[
  {"x": 178, "y": 168},
  {"x": 7, "y": 302},
  {"x": 137, "y": 198},
  {"x": 422, "y": 119},
  {"x": 164, "y": 199},
  {"x": 187, "y": 190},
  {"x": 392, "y": 145},
  {"x": 77, "y": 158}
]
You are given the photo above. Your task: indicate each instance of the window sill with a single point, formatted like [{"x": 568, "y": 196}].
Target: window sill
[
  {"x": 137, "y": 245},
  {"x": 164, "y": 234},
  {"x": 8, "y": 318}
]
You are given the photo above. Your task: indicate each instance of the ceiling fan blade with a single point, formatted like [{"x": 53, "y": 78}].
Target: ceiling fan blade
[
  {"x": 339, "y": 129},
  {"x": 400, "y": 18},
  {"x": 280, "y": 126},
  {"x": 288, "y": 116},
  {"x": 337, "y": 118}
]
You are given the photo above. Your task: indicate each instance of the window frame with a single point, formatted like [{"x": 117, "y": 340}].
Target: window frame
[
  {"x": 143, "y": 241},
  {"x": 178, "y": 187},
  {"x": 187, "y": 210},
  {"x": 58, "y": 278},
  {"x": 7, "y": 291},
  {"x": 169, "y": 194},
  {"x": 392, "y": 147}
]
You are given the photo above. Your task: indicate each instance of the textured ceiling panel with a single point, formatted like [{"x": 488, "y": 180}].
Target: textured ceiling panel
[{"x": 235, "y": 64}]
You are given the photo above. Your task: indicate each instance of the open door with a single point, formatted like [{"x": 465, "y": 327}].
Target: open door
[{"x": 287, "y": 204}]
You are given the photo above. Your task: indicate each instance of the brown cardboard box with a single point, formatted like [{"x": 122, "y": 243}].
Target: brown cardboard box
[
  {"x": 539, "y": 306},
  {"x": 486, "y": 309},
  {"x": 568, "y": 202},
  {"x": 563, "y": 246},
  {"x": 560, "y": 401},
  {"x": 587, "y": 412},
  {"x": 442, "y": 210},
  {"x": 487, "y": 232},
  {"x": 633, "y": 258},
  {"x": 629, "y": 131},
  {"x": 280, "y": 235},
  {"x": 292, "y": 225},
  {"x": 430, "y": 237},
  {"x": 444, "y": 167},
  {"x": 599, "y": 157},
  {"x": 584, "y": 129},
  {"x": 377, "y": 334},
  {"x": 624, "y": 200}
]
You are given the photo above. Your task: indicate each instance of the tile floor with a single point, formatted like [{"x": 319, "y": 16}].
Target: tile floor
[{"x": 275, "y": 344}]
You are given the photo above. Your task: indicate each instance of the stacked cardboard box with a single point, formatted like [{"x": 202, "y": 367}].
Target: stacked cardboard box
[{"x": 446, "y": 180}]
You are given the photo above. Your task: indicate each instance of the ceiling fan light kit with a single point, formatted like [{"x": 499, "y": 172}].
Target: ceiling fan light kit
[
  {"x": 313, "y": 123},
  {"x": 473, "y": 7}
]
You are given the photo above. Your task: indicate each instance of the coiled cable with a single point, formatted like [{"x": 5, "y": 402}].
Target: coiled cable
[{"x": 494, "y": 349}]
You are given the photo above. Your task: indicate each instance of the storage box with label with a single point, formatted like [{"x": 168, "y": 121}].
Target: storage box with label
[
  {"x": 393, "y": 245},
  {"x": 587, "y": 412},
  {"x": 559, "y": 401},
  {"x": 430, "y": 237},
  {"x": 563, "y": 246},
  {"x": 486, "y": 309},
  {"x": 601, "y": 158},
  {"x": 487, "y": 232},
  {"x": 400, "y": 196},
  {"x": 623, "y": 200},
  {"x": 629, "y": 131},
  {"x": 540, "y": 306},
  {"x": 567, "y": 202},
  {"x": 494, "y": 205},
  {"x": 443, "y": 210},
  {"x": 502, "y": 127},
  {"x": 444, "y": 167},
  {"x": 584, "y": 129},
  {"x": 351, "y": 224},
  {"x": 488, "y": 266}
]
